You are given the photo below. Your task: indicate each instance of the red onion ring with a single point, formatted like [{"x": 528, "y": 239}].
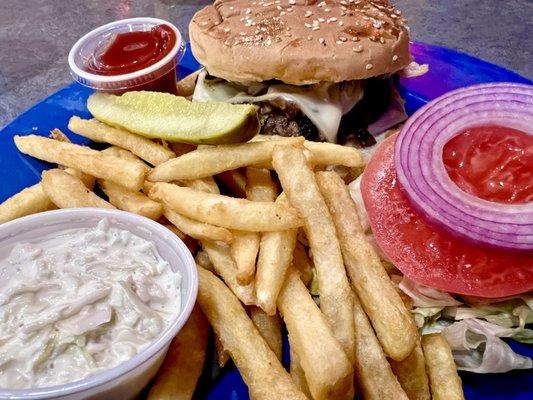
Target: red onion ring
[{"x": 423, "y": 176}]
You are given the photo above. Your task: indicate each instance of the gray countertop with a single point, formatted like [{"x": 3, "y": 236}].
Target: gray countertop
[{"x": 35, "y": 36}]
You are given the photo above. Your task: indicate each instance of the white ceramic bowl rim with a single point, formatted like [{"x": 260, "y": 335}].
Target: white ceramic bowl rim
[{"x": 168, "y": 334}]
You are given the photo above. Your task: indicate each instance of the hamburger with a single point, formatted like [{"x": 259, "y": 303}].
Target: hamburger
[{"x": 324, "y": 70}]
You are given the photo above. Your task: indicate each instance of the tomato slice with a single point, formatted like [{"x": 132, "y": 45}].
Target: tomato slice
[{"x": 430, "y": 257}]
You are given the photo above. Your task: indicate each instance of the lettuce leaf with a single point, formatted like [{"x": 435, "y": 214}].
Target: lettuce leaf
[
  {"x": 424, "y": 296},
  {"x": 477, "y": 347}
]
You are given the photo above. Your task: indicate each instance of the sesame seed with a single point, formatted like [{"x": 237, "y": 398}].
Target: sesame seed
[
  {"x": 398, "y": 12},
  {"x": 242, "y": 33},
  {"x": 327, "y": 9},
  {"x": 277, "y": 2},
  {"x": 289, "y": 9},
  {"x": 358, "y": 49},
  {"x": 315, "y": 28},
  {"x": 282, "y": 13},
  {"x": 308, "y": 13},
  {"x": 333, "y": 19},
  {"x": 288, "y": 28},
  {"x": 344, "y": 3},
  {"x": 321, "y": 20},
  {"x": 381, "y": 40},
  {"x": 394, "y": 57},
  {"x": 307, "y": 25},
  {"x": 231, "y": 7},
  {"x": 338, "y": 42},
  {"x": 342, "y": 39},
  {"x": 321, "y": 40},
  {"x": 341, "y": 23},
  {"x": 343, "y": 14},
  {"x": 227, "y": 29},
  {"x": 393, "y": 16},
  {"x": 366, "y": 18},
  {"x": 321, "y": 4},
  {"x": 292, "y": 2},
  {"x": 376, "y": 24},
  {"x": 343, "y": 8},
  {"x": 369, "y": 66},
  {"x": 279, "y": 8}
]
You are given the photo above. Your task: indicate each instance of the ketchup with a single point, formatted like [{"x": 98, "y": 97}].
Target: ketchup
[
  {"x": 493, "y": 163},
  {"x": 133, "y": 51}
]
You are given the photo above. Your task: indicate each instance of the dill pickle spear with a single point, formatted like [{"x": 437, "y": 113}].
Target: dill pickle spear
[{"x": 176, "y": 119}]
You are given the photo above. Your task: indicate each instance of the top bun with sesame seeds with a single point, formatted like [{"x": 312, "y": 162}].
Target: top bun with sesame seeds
[{"x": 300, "y": 42}]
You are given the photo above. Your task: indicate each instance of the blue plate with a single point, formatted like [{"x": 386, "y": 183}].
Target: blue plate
[{"x": 448, "y": 70}]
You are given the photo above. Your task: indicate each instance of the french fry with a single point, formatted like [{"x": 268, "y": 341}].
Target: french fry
[
  {"x": 216, "y": 159},
  {"x": 328, "y": 372},
  {"x": 125, "y": 155},
  {"x": 202, "y": 259},
  {"x": 68, "y": 191},
  {"x": 206, "y": 184},
  {"x": 183, "y": 364},
  {"x": 142, "y": 147},
  {"x": 225, "y": 267},
  {"x": 58, "y": 135},
  {"x": 260, "y": 186},
  {"x": 298, "y": 182},
  {"x": 297, "y": 373},
  {"x": 261, "y": 370},
  {"x": 394, "y": 325},
  {"x": 198, "y": 230},
  {"x": 227, "y": 212},
  {"x": 104, "y": 166},
  {"x": 302, "y": 263},
  {"x": 222, "y": 354},
  {"x": 275, "y": 257},
  {"x": 245, "y": 246},
  {"x": 411, "y": 373},
  {"x": 131, "y": 201},
  {"x": 244, "y": 249},
  {"x": 373, "y": 374},
  {"x": 444, "y": 381},
  {"x": 185, "y": 87},
  {"x": 323, "y": 153},
  {"x": 235, "y": 181},
  {"x": 29, "y": 201},
  {"x": 176, "y": 231},
  {"x": 269, "y": 326}
]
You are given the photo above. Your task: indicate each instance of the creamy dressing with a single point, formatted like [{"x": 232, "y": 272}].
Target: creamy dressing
[
  {"x": 81, "y": 301},
  {"x": 324, "y": 103}
]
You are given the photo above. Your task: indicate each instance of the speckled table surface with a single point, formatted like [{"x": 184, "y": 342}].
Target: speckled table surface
[{"x": 36, "y": 35}]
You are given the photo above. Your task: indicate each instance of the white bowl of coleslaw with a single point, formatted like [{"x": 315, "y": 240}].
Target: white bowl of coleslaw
[{"x": 90, "y": 300}]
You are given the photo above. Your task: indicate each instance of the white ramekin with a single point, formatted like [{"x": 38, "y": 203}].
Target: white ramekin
[{"x": 126, "y": 380}]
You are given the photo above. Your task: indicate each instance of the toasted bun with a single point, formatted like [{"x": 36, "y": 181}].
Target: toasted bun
[{"x": 300, "y": 42}]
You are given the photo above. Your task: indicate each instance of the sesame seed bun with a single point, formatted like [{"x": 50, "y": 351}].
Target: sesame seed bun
[{"x": 300, "y": 42}]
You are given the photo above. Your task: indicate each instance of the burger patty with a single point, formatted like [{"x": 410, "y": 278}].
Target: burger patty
[{"x": 286, "y": 119}]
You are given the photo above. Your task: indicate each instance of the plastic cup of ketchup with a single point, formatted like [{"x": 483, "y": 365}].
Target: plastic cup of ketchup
[{"x": 130, "y": 54}]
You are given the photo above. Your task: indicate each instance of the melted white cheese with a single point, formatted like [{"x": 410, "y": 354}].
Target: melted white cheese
[
  {"x": 324, "y": 103},
  {"x": 78, "y": 302}
]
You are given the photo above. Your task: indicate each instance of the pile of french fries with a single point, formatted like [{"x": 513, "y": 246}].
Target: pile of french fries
[{"x": 264, "y": 218}]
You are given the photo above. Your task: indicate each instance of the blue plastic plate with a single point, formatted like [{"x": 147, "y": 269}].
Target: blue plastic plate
[{"x": 448, "y": 70}]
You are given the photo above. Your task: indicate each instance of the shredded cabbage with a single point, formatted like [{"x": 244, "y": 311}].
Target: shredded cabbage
[{"x": 474, "y": 327}]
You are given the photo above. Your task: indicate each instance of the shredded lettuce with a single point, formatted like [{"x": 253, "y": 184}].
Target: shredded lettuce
[
  {"x": 474, "y": 327},
  {"x": 477, "y": 347}
]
